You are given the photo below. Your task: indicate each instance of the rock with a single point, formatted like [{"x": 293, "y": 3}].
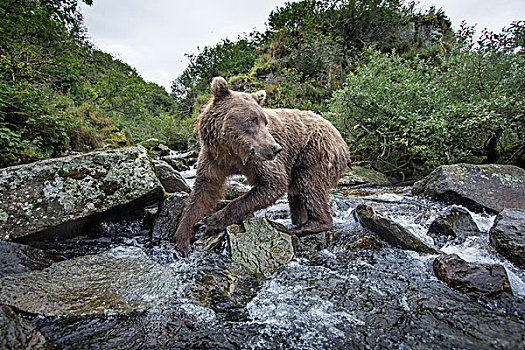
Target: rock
[
  {"x": 455, "y": 223},
  {"x": 112, "y": 282},
  {"x": 390, "y": 231},
  {"x": 171, "y": 180},
  {"x": 66, "y": 195},
  {"x": 190, "y": 156},
  {"x": 490, "y": 187},
  {"x": 17, "y": 333},
  {"x": 150, "y": 143},
  {"x": 209, "y": 243},
  {"x": 358, "y": 175},
  {"x": 161, "y": 150},
  {"x": 236, "y": 186},
  {"x": 176, "y": 163},
  {"x": 507, "y": 235},
  {"x": 361, "y": 243},
  {"x": 116, "y": 139},
  {"x": 475, "y": 280},
  {"x": 17, "y": 258},
  {"x": 168, "y": 217},
  {"x": 260, "y": 246}
]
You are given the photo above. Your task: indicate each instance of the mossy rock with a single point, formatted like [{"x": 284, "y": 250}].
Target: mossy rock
[{"x": 261, "y": 246}]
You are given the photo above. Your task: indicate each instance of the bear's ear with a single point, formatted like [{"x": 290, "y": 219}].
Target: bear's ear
[
  {"x": 259, "y": 96},
  {"x": 219, "y": 87}
]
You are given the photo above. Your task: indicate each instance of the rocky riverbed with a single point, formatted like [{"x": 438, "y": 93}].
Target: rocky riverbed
[{"x": 398, "y": 270}]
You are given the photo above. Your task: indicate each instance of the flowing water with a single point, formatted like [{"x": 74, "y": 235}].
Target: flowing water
[{"x": 329, "y": 297}]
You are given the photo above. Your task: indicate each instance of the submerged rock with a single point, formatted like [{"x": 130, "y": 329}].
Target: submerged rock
[
  {"x": 454, "y": 223},
  {"x": 475, "y": 280},
  {"x": 168, "y": 217},
  {"x": 171, "y": 180},
  {"x": 490, "y": 187},
  {"x": 358, "y": 175},
  {"x": 17, "y": 333},
  {"x": 261, "y": 246},
  {"x": 390, "y": 231},
  {"x": 66, "y": 195},
  {"x": 16, "y": 258},
  {"x": 104, "y": 283},
  {"x": 507, "y": 235}
]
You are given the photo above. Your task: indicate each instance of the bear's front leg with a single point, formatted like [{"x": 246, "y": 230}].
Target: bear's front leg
[
  {"x": 259, "y": 197},
  {"x": 208, "y": 189}
]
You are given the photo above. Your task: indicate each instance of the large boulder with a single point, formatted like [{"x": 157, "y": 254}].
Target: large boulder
[
  {"x": 390, "y": 231},
  {"x": 507, "y": 235},
  {"x": 358, "y": 175},
  {"x": 489, "y": 187},
  {"x": 112, "y": 282},
  {"x": 475, "y": 280},
  {"x": 261, "y": 246},
  {"x": 66, "y": 195}
]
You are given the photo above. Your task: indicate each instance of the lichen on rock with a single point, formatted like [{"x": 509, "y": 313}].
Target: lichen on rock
[{"x": 44, "y": 195}]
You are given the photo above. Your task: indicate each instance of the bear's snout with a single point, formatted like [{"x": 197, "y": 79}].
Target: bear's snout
[
  {"x": 276, "y": 149},
  {"x": 268, "y": 152}
]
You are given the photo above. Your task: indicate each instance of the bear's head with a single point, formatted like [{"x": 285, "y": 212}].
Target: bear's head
[{"x": 234, "y": 123}]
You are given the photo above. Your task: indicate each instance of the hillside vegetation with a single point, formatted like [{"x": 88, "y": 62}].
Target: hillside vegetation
[{"x": 406, "y": 92}]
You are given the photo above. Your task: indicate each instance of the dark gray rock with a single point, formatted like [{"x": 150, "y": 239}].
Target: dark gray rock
[
  {"x": 358, "y": 175},
  {"x": 490, "y": 187},
  {"x": 260, "y": 246},
  {"x": 112, "y": 282},
  {"x": 66, "y": 195},
  {"x": 390, "y": 231},
  {"x": 475, "y": 280},
  {"x": 17, "y": 333},
  {"x": 168, "y": 217},
  {"x": 171, "y": 180},
  {"x": 454, "y": 223},
  {"x": 507, "y": 235},
  {"x": 16, "y": 258}
]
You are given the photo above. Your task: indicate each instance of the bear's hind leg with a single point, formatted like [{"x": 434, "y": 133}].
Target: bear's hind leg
[
  {"x": 315, "y": 203},
  {"x": 298, "y": 212}
]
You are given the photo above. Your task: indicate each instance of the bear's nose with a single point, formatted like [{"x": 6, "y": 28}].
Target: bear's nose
[{"x": 276, "y": 148}]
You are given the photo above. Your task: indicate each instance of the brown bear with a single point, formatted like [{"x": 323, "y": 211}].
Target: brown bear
[{"x": 278, "y": 150}]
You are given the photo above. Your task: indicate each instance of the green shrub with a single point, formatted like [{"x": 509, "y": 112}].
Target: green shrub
[{"x": 408, "y": 116}]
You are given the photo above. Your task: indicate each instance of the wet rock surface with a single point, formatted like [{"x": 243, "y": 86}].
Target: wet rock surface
[
  {"x": 455, "y": 223},
  {"x": 390, "y": 231},
  {"x": 171, "y": 180},
  {"x": 168, "y": 216},
  {"x": 490, "y": 187},
  {"x": 508, "y": 235},
  {"x": 16, "y": 258},
  {"x": 475, "y": 280},
  {"x": 261, "y": 246},
  {"x": 345, "y": 288},
  {"x": 110, "y": 282},
  {"x": 17, "y": 333},
  {"x": 66, "y": 195}
]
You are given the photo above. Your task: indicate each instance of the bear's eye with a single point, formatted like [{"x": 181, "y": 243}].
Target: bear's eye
[{"x": 252, "y": 121}]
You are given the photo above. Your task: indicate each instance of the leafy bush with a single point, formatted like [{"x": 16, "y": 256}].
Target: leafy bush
[{"x": 408, "y": 116}]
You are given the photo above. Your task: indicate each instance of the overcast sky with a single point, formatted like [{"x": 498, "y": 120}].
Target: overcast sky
[{"x": 154, "y": 35}]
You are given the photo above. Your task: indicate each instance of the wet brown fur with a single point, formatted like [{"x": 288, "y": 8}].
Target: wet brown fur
[{"x": 236, "y": 137}]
